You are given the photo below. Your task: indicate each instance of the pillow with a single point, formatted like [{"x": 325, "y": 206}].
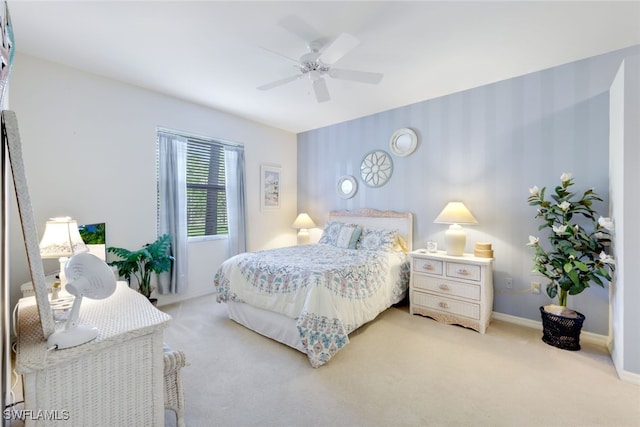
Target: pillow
[
  {"x": 330, "y": 233},
  {"x": 401, "y": 245},
  {"x": 348, "y": 236},
  {"x": 375, "y": 239},
  {"x": 340, "y": 234}
]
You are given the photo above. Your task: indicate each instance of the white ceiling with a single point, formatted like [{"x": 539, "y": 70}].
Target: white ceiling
[{"x": 213, "y": 53}]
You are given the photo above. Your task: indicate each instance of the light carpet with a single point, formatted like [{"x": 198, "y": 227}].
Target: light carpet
[{"x": 399, "y": 370}]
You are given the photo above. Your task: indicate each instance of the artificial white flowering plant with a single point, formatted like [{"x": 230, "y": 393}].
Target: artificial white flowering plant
[{"x": 578, "y": 254}]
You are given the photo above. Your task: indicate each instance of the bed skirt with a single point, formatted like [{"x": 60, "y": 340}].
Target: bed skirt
[{"x": 268, "y": 323}]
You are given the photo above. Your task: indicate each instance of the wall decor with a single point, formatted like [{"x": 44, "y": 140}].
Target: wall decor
[
  {"x": 93, "y": 235},
  {"x": 403, "y": 142},
  {"x": 347, "y": 186},
  {"x": 376, "y": 168},
  {"x": 270, "y": 187}
]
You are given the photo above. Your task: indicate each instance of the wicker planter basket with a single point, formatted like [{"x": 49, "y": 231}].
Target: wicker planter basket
[{"x": 561, "y": 331}]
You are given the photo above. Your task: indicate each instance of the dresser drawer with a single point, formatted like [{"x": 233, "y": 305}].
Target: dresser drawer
[
  {"x": 446, "y": 305},
  {"x": 430, "y": 266},
  {"x": 463, "y": 271},
  {"x": 434, "y": 284}
]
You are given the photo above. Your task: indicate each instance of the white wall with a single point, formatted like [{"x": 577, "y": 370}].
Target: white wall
[
  {"x": 89, "y": 147},
  {"x": 616, "y": 184},
  {"x": 631, "y": 213},
  {"x": 624, "y": 159}
]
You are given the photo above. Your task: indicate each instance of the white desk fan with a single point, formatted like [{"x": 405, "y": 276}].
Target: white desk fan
[{"x": 87, "y": 276}]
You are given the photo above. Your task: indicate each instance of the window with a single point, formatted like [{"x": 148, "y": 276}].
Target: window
[
  {"x": 193, "y": 187},
  {"x": 206, "y": 194}
]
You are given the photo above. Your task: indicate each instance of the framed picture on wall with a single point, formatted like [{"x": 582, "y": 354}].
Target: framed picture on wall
[
  {"x": 93, "y": 235},
  {"x": 270, "y": 187}
]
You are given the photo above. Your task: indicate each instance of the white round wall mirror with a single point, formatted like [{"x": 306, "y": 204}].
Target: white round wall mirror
[
  {"x": 376, "y": 168},
  {"x": 403, "y": 142},
  {"x": 347, "y": 187}
]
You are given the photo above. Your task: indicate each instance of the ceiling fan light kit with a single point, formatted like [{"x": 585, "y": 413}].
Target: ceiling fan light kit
[{"x": 318, "y": 62}]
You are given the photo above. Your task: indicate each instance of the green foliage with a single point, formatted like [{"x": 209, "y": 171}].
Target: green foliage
[
  {"x": 578, "y": 255},
  {"x": 151, "y": 258}
]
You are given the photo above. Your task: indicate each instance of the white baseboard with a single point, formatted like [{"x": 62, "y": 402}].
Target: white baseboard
[
  {"x": 589, "y": 337},
  {"x": 629, "y": 377}
]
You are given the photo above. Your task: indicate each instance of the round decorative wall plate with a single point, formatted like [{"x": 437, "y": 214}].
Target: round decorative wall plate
[
  {"x": 376, "y": 168},
  {"x": 347, "y": 187},
  {"x": 403, "y": 142}
]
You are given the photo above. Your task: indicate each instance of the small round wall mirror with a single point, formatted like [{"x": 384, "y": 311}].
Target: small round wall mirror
[
  {"x": 403, "y": 142},
  {"x": 376, "y": 168},
  {"x": 347, "y": 187}
]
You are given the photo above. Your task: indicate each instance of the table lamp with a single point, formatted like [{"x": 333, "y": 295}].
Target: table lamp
[
  {"x": 455, "y": 213},
  {"x": 303, "y": 222},
  {"x": 61, "y": 239}
]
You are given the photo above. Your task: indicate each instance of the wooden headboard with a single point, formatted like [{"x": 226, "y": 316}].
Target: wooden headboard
[{"x": 388, "y": 220}]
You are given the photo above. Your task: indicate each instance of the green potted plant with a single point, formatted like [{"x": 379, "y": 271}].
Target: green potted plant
[
  {"x": 575, "y": 258},
  {"x": 151, "y": 258}
]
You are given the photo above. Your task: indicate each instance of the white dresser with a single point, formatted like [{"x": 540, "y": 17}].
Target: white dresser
[
  {"x": 114, "y": 380},
  {"x": 450, "y": 289}
]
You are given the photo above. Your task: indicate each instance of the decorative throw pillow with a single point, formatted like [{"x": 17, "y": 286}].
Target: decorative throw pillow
[
  {"x": 374, "y": 239},
  {"x": 401, "y": 244},
  {"x": 330, "y": 233},
  {"x": 348, "y": 236}
]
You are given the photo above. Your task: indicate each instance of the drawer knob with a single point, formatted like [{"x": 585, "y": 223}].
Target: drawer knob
[
  {"x": 443, "y": 305},
  {"x": 463, "y": 272},
  {"x": 444, "y": 287},
  {"x": 427, "y": 267}
]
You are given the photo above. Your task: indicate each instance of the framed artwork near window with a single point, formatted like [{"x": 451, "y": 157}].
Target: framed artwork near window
[{"x": 270, "y": 176}]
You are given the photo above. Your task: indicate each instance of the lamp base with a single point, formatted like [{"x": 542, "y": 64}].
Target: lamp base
[
  {"x": 63, "y": 277},
  {"x": 303, "y": 236},
  {"x": 455, "y": 240},
  {"x": 72, "y": 337}
]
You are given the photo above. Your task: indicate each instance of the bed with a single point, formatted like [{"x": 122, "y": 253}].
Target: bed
[{"x": 310, "y": 297}]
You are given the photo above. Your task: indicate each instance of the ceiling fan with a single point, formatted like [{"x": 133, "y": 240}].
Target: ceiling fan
[{"x": 318, "y": 63}]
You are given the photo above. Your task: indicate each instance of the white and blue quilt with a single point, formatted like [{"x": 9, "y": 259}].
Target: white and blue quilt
[{"x": 329, "y": 291}]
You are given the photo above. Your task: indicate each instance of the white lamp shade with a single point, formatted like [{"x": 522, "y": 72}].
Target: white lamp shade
[
  {"x": 61, "y": 238},
  {"x": 303, "y": 221},
  {"x": 455, "y": 213}
]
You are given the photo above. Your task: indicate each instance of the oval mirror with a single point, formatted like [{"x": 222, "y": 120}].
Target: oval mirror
[
  {"x": 347, "y": 187},
  {"x": 376, "y": 168},
  {"x": 403, "y": 142}
]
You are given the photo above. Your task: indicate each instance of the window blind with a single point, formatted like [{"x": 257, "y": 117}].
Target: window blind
[{"x": 206, "y": 195}]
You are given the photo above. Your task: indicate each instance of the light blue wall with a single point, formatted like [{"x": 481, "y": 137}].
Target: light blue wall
[{"x": 486, "y": 147}]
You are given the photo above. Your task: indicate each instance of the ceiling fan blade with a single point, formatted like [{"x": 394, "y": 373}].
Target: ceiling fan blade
[
  {"x": 320, "y": 88},
  {"x": 273, "y": 52},
  {"x": 297, "y": 26},
  {"x": 339, "y": 48},
  {"x": 279, "y": 82},
  {"x": 358, "y": 76}
]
